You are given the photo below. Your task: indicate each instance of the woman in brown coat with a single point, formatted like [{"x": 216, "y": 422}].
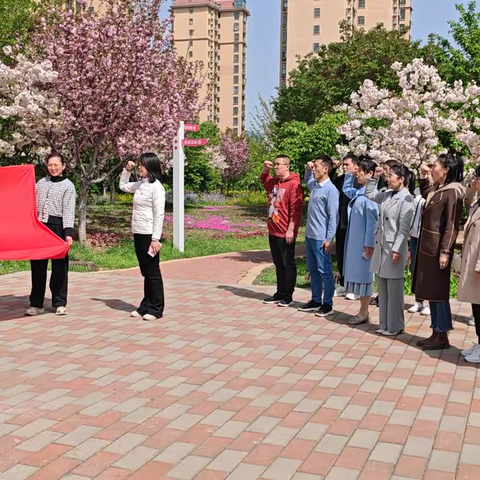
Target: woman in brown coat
[
  {"x": 441, "y": 215},
  {"x": 469, "y": 284}
]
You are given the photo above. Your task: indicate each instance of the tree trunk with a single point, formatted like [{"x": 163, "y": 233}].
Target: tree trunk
[
  {"x": 112, "y": 189},
  {"x": 82, "y": 211}
]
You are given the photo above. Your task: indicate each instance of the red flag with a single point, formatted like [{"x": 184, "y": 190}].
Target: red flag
[{"x": 22, "y": 235}]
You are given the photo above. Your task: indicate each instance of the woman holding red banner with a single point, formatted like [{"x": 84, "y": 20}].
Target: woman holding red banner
[
  {"x": 147, "y": 224},
  {"x": 56, "y": 209}
]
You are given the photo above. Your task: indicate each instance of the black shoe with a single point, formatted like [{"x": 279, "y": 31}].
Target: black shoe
[
  {"x": 285, "y": 303},
  {"x": 275, "y": 299},
  {"x": 325, "y": 311},
  {"x": 374, "y": 301},
  {"x": 311, "y": 306}
]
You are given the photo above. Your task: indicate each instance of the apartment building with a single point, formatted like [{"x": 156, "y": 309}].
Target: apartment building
[
  {"x": 307, "y": 24},
  {"x": 214, "y": 32}
]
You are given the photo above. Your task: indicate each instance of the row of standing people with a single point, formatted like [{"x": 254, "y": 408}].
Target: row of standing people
[{"x": 385, "y": 219}]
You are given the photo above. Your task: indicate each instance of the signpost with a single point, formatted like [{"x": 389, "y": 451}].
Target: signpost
[{"x": 179, "y": 180}]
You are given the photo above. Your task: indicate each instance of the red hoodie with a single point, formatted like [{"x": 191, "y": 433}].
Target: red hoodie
[{"x": 285, "y": 203}]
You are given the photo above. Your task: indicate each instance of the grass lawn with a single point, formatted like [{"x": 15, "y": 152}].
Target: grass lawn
[
  {"x": 268, "y": 277},
  {"x": 209, "y": 230}
]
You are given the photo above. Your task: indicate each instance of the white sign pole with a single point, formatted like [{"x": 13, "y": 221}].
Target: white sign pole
[{"x": 179, "y": 190}]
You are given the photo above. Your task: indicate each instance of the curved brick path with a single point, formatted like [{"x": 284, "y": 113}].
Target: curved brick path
[{"x": 225, "y": 387}]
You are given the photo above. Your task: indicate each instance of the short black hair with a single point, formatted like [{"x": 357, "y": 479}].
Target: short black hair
[
  {"x": 285, "y": 157},
  {"x": 477, "y": 170},
  {"x": 56, "y": 154},
  {"x": 352, "y": 157},
  {"x": 153, "y": 166},
  {"x": 455, "y": 164},
  {"x": 325, "y": 159},
  {"x": 367, "y": 164},
  {"x": 391, "y": 163}
]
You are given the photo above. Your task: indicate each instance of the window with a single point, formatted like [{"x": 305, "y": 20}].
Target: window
[
  {"x": 361, "y": 3},
  {"x": 284, "y": 21},
  {"x": 402, "y": 14},
  {"x": 236, "y": 47},
  {"x": 361, "y": 20},
  {"x": 190, "y": 11},
  {"x": 190, "y": 22},
  {"x": 190, "y": 43},
  {"x": 235, "y": 110},
  {"x": 235, "y": 100},
  {"x": 190, "y": 54},
  {"x": 403, "y": 2},
  {"x": 235, "y": 131},
  {"x": 316, "y": 29},
  {"x": 285, "y": 4},
  {"x": 284, "y": 55},
  {"x": 236, "y": 37},
  {"x": 316, "y": 13},
  {"x": 236, "y": 69},
  {"x": 284, "y": 38},
  {"x": 236, "y": 15},
  {"x": 235, "y": 90},
  {"x": 236, "y": 59},
  {"x": 284, "y": 71},
  {"x": 190, "y": 33},
  {"x": 235, "y": 79},
  {"x": 236, "y": 27},
  {"x": 316, "y": 47},
  {"x": 235, "y": 121}
]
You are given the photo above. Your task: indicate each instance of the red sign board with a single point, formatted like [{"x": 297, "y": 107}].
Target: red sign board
[
  {"x": 194, "y": 142},
  {"x": 190, "y": 127}
]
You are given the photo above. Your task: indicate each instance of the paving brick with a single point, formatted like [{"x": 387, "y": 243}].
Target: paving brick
[
  {"x": 40, "y": 441},
  {"x": 78, "y": 436},
  {"x": 386, "y": 453},
  {"x": 175, "y": 452},
  {"x": 87, "y": 449},
  {"x": 137, "y": 458},
  {"x": 282, "y": 469},
  {"x": 227, "y": 461},
  {"x": 188, "y": 468},
  {"x": 126, "y": 443},
  {"x": 18, "y": 472}
]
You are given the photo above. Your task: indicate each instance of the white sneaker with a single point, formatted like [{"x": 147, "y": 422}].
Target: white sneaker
[
  {"x": 392, "y": 334},
  {"x": 351, "y": 296},
  {"x": 61, "y": 311},
  {"x": 380, "y": 331},
  {"x": 474, "y": 357},
  {"x": 32, "y": 311},
  {"x": 472, "y": 349},
  {"x": 340, "y": 291},
  {"x": 415, "y": 308},
  {"x": 149, "y": 318},
  {"x": 425, "y": 312},
  {"x": 135, "y": 314},
  {"x": 471, "y": 322}
]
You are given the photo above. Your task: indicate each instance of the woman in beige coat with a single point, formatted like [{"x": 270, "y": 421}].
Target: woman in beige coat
[{"x": 469, "y": 284}]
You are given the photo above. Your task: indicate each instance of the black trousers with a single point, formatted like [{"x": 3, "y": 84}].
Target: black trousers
[
  {"x": 341, "y": 237},
  {"x": 476, "y": 316},
  {"x": 58, "y": 279},
  {"x": 153, "y": 301},
  {"x": 283, "y": 255}
]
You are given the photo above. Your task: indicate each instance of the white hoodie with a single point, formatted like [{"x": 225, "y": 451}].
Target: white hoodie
[{"x": 148, "y": 205}]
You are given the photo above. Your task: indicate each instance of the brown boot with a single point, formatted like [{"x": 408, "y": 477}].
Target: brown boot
[
  {"x": 421, "y": 343},
  {"x": 440, "y": 342}
]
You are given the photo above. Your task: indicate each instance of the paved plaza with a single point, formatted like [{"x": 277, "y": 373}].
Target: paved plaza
[{"x": 224, "y": 387}]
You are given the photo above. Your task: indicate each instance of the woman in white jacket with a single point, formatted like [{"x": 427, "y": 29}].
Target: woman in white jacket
[{"x": 147, "y": 223}]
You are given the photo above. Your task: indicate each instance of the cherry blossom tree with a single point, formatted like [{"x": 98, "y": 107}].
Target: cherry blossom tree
[
  {"x": 116, "y": 87},
  {"x": 414, "y": 126},
  {"x": 230, "y": 158}
]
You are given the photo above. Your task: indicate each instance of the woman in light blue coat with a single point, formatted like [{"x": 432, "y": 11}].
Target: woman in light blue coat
[{"x": 360, "y": 241}]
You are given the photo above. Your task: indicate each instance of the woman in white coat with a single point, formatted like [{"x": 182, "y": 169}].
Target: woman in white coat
[
  {"x": 147, "y": 224},
  {"x": 469, "y": 284},
  {"x": 391, "y": 244}
]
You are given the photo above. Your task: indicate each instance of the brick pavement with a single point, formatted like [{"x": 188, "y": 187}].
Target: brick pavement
[{"x": 225, "y": 387}]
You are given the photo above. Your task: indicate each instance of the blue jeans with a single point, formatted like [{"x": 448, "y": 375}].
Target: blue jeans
[
  {"x": 441, "y": 316},
  {"x": 319, "y": 264},
  {"x": 413, "y": 252}
]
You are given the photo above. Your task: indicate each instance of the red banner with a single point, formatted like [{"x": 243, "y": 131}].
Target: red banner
[
  {"x": 191, "y": 127},
  {"x": 194, "y": 142},
  {"x": 22, "y": 236}
]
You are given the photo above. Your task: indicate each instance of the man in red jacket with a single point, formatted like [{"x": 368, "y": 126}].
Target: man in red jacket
[{"x": 284, "y": 217}]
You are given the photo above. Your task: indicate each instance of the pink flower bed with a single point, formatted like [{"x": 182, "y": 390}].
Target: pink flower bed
[{"x": 214, "y": 222}]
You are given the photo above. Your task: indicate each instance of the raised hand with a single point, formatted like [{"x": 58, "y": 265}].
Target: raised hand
[
  {"x": 378, "y": 172},
  {"x": 130, "y": 165}
]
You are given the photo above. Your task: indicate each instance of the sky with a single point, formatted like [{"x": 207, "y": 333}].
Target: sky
[{"x": 429, "y": 16}]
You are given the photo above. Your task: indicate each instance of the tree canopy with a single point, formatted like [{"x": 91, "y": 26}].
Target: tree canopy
[{"x": 325, "y": 79}]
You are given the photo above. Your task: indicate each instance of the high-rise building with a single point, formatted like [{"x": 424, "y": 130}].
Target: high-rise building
[
  {"x": 307, "y": 24},
  {"x": 214, "y": 32}
]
